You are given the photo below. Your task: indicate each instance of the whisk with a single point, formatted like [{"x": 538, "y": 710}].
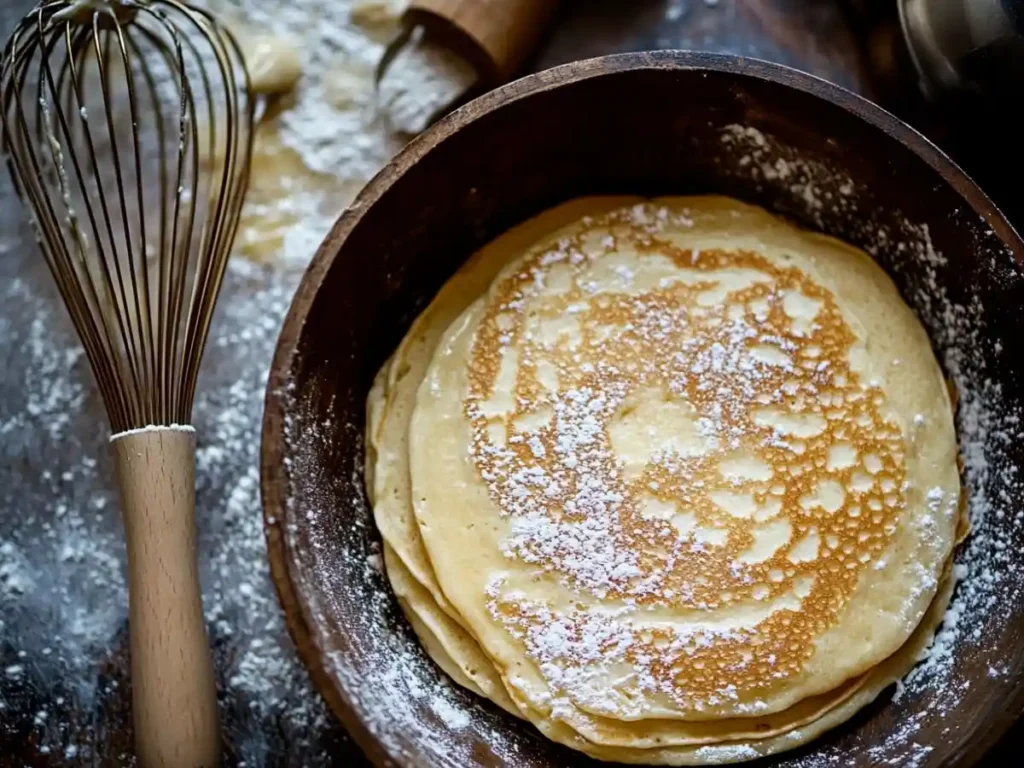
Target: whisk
[{"x": 128, "y": 129}]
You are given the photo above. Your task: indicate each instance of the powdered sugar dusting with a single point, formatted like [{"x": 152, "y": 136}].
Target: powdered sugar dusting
[
  {"x": 709, "y": 353},
  {"x": 810, "y": 182},
  {"x": 452, "y": 716},
  {"x": 722, "y": 754},
  {"x": 393, "y": 684},
  {"x": 988, "y": 422}
]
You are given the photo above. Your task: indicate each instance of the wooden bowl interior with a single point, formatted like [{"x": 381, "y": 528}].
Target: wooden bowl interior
[{"x": 648, "y": 124}]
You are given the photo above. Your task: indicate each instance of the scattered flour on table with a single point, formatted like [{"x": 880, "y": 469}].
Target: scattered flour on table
[
  {"x": 332, "y": 124},
  {"x": 62, "y": 589}
]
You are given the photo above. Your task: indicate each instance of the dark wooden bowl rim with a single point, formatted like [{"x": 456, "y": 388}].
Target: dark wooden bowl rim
[{"x": 273, "y": 477}]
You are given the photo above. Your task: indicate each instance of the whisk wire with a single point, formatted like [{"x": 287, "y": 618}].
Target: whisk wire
[
  {"x": 75, "y": 52},
  {"x": 135, "y": 351},
  {"x": 142, "y": 307},
  {"x": 82, "y": 273},
  {"x": 127, "y": 366},
  {"x": 201, "y": 300},
  {"x": 160, "y": 367},
  {"x": 57, "y": 255}
]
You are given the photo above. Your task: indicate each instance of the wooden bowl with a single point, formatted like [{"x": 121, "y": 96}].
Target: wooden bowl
[{"x": 655, "y": 123}]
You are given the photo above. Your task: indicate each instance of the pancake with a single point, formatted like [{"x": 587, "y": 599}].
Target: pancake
[
  {"x": 461, "y": 658},
  {"x": 459, "y": 649},
  {"x": 781, "y": 548},
  {"x": 443, "y": 639},
  {"x": 455, "y": 651},
  {"x": 884, "y": 675}
]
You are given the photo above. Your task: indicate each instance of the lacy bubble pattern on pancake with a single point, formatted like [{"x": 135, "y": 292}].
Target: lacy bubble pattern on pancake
[{"x": 682, "y": 437}]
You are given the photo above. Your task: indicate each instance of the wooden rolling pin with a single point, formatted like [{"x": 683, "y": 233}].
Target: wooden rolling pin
[{"x": 495, "y": 36}]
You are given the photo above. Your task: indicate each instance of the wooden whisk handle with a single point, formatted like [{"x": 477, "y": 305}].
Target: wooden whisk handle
[{"x": 174, "y": 697}]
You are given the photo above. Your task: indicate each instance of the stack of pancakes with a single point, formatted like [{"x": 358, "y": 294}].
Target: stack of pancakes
[{"x": 671, "y": 479}]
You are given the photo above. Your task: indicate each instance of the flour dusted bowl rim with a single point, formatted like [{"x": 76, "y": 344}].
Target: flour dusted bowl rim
[{"x": 634, "y": 123}]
